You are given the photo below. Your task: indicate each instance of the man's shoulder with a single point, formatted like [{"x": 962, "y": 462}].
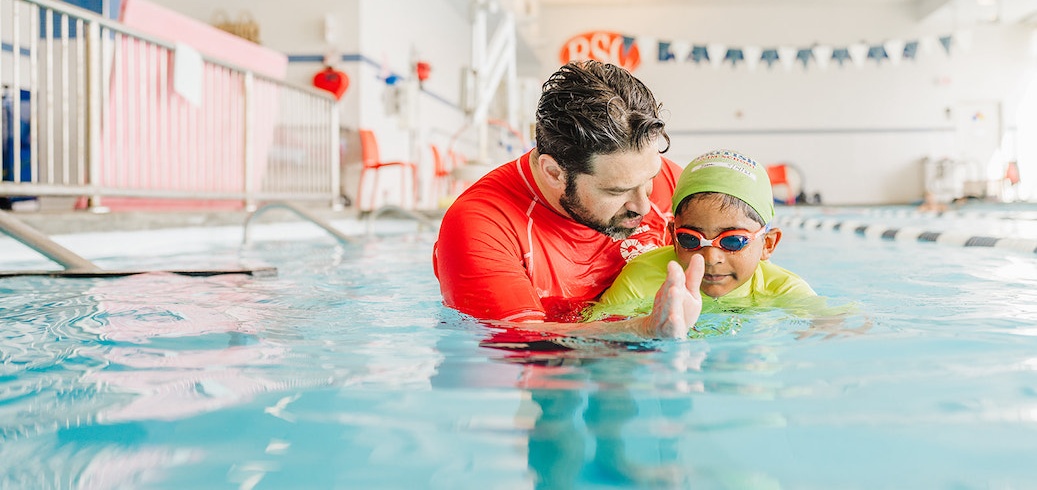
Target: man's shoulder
[
  {"x": 671, "y": 166},
  {"x": 670, "y": 171},
  {"x": 500, "y": 186}
]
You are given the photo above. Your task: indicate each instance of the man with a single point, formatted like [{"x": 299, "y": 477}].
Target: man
[{"x": 538, "y": 238}]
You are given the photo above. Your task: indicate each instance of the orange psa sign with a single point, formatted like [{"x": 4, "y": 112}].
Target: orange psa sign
[{"x": 604, "y": 46}]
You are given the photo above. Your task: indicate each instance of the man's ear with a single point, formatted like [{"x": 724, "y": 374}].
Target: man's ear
[
  {"x": 553, "y": 173},
  {"x": 770, "y": 242}
]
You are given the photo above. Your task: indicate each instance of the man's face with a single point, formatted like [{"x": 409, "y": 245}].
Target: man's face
[{"x": 614, "y": 199}]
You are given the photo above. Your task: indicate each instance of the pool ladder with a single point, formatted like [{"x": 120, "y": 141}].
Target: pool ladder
[
  {"x": 300, "y": 212},
  {"x": 370, "y": 217},
  {"x": 77, "y": 266},
  {"x": 41, "y": 243}
]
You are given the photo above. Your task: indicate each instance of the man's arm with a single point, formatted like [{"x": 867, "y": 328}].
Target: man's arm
[{"x": 480, "y": 268}]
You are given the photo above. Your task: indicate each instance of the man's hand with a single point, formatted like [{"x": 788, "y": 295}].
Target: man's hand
[{"x": 678, "y": 302}]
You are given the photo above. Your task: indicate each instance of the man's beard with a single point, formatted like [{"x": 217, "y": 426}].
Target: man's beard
[{"x": 579, "y": 213}]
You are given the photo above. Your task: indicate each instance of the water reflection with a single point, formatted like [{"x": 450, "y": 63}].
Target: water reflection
[
  {"x": 583, "y": 434},
  {"x": 616, "y": 413},
  {"x": 180, "y": 346},
  {"x": 96, "y": 364}
]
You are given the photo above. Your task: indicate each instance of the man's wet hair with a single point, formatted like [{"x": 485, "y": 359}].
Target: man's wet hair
[{"x": 592, "y": 108}]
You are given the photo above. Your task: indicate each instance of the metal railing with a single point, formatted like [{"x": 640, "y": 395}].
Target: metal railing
[{"x": 91, "y": 109}]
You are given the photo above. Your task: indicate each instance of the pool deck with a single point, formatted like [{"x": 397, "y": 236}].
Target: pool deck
[
  {"x": 74, "y": 239},
  {"x": 66, "y": 222}
]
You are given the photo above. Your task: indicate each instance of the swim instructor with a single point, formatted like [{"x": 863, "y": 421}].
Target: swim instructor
[{"x": 537, "y": 238}]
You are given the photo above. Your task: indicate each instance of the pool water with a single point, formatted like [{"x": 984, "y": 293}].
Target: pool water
[{"x": 345, "y": 371}]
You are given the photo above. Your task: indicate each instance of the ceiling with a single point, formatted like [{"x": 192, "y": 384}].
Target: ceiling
[{"x": 1004, "y": 11}]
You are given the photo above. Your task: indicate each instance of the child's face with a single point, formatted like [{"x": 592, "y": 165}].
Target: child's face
[{"x": 725, "y": 270}]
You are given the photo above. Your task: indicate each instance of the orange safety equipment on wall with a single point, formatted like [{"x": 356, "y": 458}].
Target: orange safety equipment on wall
[
  {"x": 778, "y": 174},
  {"x": 332, "y": 80},
  {"x": 422, "y": 69}
]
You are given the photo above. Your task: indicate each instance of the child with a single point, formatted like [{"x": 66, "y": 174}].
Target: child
[{"x": 722, "y": 208}]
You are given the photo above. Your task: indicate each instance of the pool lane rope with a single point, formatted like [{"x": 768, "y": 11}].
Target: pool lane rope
[
  {"x": 1024, "y": 215},
  {"x": 907, "y": 233}
]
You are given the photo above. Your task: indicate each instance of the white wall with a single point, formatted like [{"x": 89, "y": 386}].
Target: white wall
[{"x": 857, "y": 134}]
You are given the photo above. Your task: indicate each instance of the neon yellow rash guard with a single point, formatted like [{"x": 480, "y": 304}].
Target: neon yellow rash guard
[{"x": 633, "y": 292}]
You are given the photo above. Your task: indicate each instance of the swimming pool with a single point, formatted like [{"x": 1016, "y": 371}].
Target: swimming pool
[{"x": 345, "y": 371}]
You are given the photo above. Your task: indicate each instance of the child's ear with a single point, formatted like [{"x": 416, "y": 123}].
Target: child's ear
[{"x": 770, "y": 242}]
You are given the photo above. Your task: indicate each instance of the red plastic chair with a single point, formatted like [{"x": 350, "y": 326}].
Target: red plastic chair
[
  {"x": 457, "y": 160},
  {"x": 372, "y": 163},
  {"x": 441, "y": 172},
  {"x": 1012, "y": 173},
  {"x": 778, "y": 174}
]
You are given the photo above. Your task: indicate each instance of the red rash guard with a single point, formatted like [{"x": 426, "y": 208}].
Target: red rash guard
[{"x": 504, "y": 254}]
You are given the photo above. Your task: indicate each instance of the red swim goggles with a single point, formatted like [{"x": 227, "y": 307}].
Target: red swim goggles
[{"x": 731, "y": 240}]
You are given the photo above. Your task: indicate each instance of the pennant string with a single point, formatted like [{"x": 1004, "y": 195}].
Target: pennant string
[{"x": 700, "y": 53}]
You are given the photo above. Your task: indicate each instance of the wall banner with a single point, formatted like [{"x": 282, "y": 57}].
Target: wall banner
[
  {"x": 626, "y": 51},
  {"x": 604, "y": 46}
]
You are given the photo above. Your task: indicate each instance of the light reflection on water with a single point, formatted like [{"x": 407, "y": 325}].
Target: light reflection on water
[{"x": 346, "y": 372}]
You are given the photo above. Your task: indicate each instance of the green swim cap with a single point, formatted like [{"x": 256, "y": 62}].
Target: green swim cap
[{"x": 730, "y": 173}]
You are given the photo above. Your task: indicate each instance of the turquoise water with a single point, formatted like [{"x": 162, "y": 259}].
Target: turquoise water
[{"x": 346, "y": 372}]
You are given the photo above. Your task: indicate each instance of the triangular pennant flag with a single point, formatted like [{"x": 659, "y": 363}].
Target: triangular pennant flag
[
  {"x": 716, "y": 51},
  {"x": 699, "y": 54},
  {"x": 928, "y": 44},
  {"x": 664, "y": 51},
  {"x": 894, "y": 50},
  {"x": 840, "y": 55},
  {"x": 877, "y": 53},
  {"x": 681, "y": 50},
  {"x": 945, "y": 41},
  {"x": 644, "y": 44},
  {"x": 752, "y": 56},
  {"x": 627, "y": 43},
  {"x": 822, "y": 55},
  {"x": 769, "y": 56},
  {"x": 858, "y": 53},
  {"x": 910, "y": 50},
  {"x": 787, "y": 56},
  {"x": 804, "y": 55},
  {"x": 963, "y": 39},
  {"x": 734, "y": 55}
]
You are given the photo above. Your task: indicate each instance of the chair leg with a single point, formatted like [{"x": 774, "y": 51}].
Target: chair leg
[
  {"x": 414, "y": 186},
  {"x": 403, "y": 187},
  {"x": 374, "y": 191}
]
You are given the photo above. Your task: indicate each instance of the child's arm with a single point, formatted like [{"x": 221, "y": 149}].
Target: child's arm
[{"x": 676, "y": 308}]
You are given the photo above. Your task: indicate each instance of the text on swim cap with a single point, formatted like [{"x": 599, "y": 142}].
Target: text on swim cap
[{"x": 732, "y": 166}]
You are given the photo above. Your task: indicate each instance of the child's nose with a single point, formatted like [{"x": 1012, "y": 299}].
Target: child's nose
[{"x": 713, "y": 255}]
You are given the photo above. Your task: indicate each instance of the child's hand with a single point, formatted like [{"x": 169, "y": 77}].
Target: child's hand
[{"x": 678, "y": 302}]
